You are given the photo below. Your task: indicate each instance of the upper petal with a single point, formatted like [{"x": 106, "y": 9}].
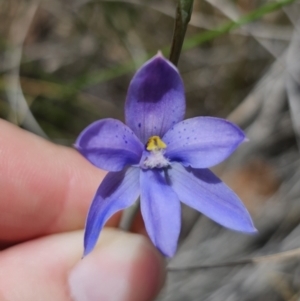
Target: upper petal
[
  {"x": 109, "y": 144},
  {"x": 202, "y": 142},
  {"x": 203, "y": 191},
  {"x": 117, "y": 191},
  {"x": 155, "y": 99},
  {"x": 160, "y": 208}
]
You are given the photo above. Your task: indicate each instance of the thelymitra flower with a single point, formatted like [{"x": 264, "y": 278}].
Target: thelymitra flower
[{"x": 161, "y": 158}]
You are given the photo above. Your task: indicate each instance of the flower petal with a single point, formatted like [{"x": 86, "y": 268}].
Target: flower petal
[
  {"x": 160, "y": 208},
  {"x": 202, "y": 142},
  {"x": 110, "y": 145},
  {"x": 203, "y": 191},
  {"x": 155, "y": 99},
  {"x": 117, "y": 191}
]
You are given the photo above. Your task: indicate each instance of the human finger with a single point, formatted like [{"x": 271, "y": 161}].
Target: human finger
[
  {"x": 123, "y": 267},
  {"x": 45, "y": 188}
]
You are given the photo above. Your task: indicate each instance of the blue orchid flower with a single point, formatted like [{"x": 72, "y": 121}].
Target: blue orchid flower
[{"x": 163, "y": 159}]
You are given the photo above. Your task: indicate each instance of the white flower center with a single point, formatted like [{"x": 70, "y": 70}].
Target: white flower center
[{"x": 155, "y": 158}]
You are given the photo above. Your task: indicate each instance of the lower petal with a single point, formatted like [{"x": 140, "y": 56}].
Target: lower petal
[
  {"x": 160, "y": 208},
  {"x": 203, "y": 191},
  {"x": 117, "y": 191}
]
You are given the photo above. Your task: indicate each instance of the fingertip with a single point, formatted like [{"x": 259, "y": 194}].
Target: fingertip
[{"x": 124, "y": 267}]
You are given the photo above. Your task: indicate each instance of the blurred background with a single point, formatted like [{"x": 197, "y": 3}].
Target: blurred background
[{"x": 67, "y": 63}]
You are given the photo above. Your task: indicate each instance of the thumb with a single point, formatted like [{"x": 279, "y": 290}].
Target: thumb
[{"x": 123, "y": 267}]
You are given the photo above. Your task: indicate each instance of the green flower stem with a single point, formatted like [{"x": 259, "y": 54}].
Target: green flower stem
[
  {"x": 183, "y": 17},
  {"x": 129, "y": 215}
]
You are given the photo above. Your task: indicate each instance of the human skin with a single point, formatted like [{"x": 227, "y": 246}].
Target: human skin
[{"x": 45, "y": 192}]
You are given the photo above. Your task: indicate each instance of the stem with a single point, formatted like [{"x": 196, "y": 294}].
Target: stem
[
  {"x": 183, "y": 17},
  {"x": 128, "y": 216}
]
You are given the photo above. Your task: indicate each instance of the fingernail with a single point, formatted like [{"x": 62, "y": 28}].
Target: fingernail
[{"x": 124, "y": 267}]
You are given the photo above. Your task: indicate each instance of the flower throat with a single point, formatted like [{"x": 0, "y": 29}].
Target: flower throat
[{"x": 154, "y": 158}]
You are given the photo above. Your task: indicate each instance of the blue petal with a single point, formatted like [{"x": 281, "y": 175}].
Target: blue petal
[
  {"x": 117, "y": 191},
  {"x": 160, "y": 208},
  {"x": 202, "y": 142},
  {"x": 203, "y": 191},
  {"x": 110, "y": 145},
  {"x": 155, "y": 99}
]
